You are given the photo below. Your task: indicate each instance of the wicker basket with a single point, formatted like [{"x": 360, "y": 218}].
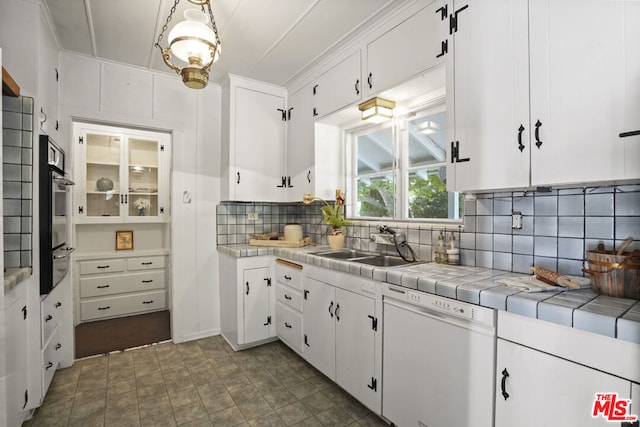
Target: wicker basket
[{"x": 615, "y": 275}]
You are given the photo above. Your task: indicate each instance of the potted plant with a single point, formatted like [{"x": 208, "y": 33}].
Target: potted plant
[{"x": 333, "y": 216}]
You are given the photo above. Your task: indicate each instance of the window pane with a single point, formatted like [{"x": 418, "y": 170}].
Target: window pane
[
  {"x": 427, "y": 140},
  {"x": 375, "y": 197},
  {"x": 375, "y": 152},
  {"x": 428, "y": 195}
]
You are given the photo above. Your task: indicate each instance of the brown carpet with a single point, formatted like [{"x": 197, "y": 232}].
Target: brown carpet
[{"x": 104, "y": 336}]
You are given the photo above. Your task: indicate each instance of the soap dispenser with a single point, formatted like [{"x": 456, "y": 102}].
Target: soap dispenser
[{"x": 453, "y": 253}]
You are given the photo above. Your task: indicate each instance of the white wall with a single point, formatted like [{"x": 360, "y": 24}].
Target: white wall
[{"x": 106, "y": 92}]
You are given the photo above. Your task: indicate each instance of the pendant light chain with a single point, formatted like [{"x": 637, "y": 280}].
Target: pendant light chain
[
  {"x": 166, "y": 24},
  {"x": 213, "y": 24}
]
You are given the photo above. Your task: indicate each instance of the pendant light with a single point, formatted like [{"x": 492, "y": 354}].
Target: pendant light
[
  {"x": 193, "y": 42},
  {"x": 377, "y": 110}
]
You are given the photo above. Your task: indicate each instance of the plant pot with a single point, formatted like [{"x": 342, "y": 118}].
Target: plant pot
[{"x": 336, "y": 242}]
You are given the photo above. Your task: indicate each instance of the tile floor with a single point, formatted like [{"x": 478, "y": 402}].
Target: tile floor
[{"x": 199, "y": 383}]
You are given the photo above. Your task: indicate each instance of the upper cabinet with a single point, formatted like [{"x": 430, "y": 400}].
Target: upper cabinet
[
  {"x": 532, "y": 102},
  {"x": 253, "y": 141},
  {"x": 48, "y": 77},
  {"x": 406, "y": 50},
  {"x": 122, "y": 174},
  {"x": 300, "y": 143},
  {"x": 338, "y": 87}
]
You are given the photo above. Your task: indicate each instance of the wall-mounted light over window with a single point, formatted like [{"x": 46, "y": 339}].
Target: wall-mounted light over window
[
  {"x": 377, "y": 110},
  {"x": 194, "y": 42}
]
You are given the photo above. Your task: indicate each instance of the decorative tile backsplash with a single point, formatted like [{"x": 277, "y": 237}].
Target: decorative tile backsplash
[
  {"x": 558, "y": 227},
  {"x": 17, "y": 173}
]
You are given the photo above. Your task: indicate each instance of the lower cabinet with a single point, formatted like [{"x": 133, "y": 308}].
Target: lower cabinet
[
  {"x": 289, "y": 304},
  {"x": 15, "y": 318},
  {"x": 114, "y": 287},
  {"x": 51, "y": 309},
  {"x": 247, "y": 314},
  {"x": 340, "y": 336},
  {"x": 549, "y": 390}
]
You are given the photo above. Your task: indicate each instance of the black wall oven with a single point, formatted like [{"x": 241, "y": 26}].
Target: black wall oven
[{"x": 54, "y": 216}]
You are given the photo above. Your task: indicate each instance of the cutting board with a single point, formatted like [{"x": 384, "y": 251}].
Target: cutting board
[{"x": 277, "y": 243}]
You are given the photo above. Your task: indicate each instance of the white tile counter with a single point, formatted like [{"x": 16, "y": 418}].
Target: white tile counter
[{"x": 581, "y": 309}]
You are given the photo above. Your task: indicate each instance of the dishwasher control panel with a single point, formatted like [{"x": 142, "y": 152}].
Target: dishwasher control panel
[{"x": 440, "y": 304}]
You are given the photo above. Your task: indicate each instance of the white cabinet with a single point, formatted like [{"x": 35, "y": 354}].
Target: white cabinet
[
  {"x": 288, "y": 315},
  {"x": 300, "y": 143},
  {"x": 52, "y": 309},
  {"x": 114, "y": 287},
  {"x": 246, "y": 287},
  {"x": 339, "y": 336},
  {"x": 15, "y": 324},
  {"x": 338, "y": 87},
  {"x": 253, "y": 141},
  {"x": 122, "y": 175},
  {"x": 48, "y": 76},
  {"x": 535, "y": 102},
  {"x": 548, "y": 389},
  {"x": 406, "y": 50}
]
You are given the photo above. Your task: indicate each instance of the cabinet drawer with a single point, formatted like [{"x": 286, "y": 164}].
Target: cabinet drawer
[
  {"x": 122, "y": 305},
  {"x": 145, "y": 263},
  {"x": 96, "y": 286},
  {"x": 289, "y": 296},
  {"x": 101, "y": 266},
  {"x": 289, "y": 326},
  {"x": 51, "y": 308},
  {"x": 289, "y": 276},
  {"x": 50, "y": 359}
]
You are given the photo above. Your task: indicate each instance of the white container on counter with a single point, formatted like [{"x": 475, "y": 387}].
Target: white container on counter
[{"x": 293, "y": 232}]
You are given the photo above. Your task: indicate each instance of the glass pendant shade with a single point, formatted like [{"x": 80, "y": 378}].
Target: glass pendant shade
[
  {"x": 377, "y": 110},
  {"x": 192, "y": 40}
]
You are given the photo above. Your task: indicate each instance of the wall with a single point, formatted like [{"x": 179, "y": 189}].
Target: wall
[
  {"x": 559, "y": 227},
  {"x": 104, "y": 92},
  {"x": 17, "y": 180}
]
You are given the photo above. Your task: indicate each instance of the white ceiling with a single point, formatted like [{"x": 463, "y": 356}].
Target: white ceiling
[{"x": 267, "y": 40}]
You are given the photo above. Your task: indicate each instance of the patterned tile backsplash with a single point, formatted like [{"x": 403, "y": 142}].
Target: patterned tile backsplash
[
  {"x": 17, "y": 173},
  {"x": 558, "y": 227}
]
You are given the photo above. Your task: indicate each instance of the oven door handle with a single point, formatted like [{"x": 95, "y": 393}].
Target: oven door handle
[
  {"x": 68, "y": 251},
  {"x": 63, "y": 181}
]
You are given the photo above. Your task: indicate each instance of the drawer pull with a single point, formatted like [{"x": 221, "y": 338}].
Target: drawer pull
[
  {"x": 287, "y": 277},
  {"x": 49, "y": 365},
  {"x": 58, "y": 304},
  {"x": 148, "y": 302},
  {"x": 102, "y": 266},
  {"x": 104, "y": 308},
  {"x": 147, "y": 263},
  {"x": 147, "y": 281},
  {"x": 49, "y": 317},
  {"x": 287, "y": 297},
  {"x": 58, "y": 346},
  {"x": 287, "y": 325},
  {"x": 102, "y": 286}
]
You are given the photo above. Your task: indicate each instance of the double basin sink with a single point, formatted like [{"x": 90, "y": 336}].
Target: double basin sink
[{"x": 367, "y": 258}]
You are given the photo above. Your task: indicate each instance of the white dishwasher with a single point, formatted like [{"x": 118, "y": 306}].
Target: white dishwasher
[{"x": 438, "y": 360}]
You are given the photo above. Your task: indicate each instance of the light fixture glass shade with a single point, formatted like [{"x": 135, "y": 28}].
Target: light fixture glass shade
[
  {"x": 192, "y": 40},
  {"x": 377, "y": 110}
]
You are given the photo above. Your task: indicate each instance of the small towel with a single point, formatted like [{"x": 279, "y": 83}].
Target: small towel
[{"x": 531, "y": 284}]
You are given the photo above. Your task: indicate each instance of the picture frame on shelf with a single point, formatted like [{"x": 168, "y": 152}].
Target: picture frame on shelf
[{"x": 124, "y": 240}]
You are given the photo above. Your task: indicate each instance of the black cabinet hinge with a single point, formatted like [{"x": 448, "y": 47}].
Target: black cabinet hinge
[
  {"x": 444, "y": 48},
  {"x": 315, "y": 112},
  {"x": 289, "y": 113},
  {"x": 80, "y": 209},
  {"x": 283, "y": 184},
  {"x": 162, "y": 147},
  {"x": 57, "y": 75},
  {"x": 453, "y": 20},
  {"x": 374, "y": 384},
  {"x": 455, "y": 153},
  {"x": 374, "y": 322},
  {"x": 268, "y": 321},
  {"x": 26, "y": 398},
  {"x": 306, "y": 340},
  {"x": 57, "y": 125},
  {"x": 315, "y": 89},
  {"x": 81, "y": 140},
  {"x": 306, "y": 293},
  {"x": 443, "y": 11},
  {"x": 268, "y": 280},
  {"x": 24, "y": 312},
  {"x": 283, "y": 112}
]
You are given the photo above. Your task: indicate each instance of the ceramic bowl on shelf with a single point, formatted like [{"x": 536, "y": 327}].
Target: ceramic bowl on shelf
[{"x": 104, "y": 184}]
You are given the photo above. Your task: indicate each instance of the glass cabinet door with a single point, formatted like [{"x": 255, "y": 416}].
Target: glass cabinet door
[
  {"x": 142, "y": 161},
  {"x": 103, "y": 189}
]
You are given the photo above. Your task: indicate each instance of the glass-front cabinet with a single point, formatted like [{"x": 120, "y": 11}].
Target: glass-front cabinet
[{"x": 123, "y": 174}]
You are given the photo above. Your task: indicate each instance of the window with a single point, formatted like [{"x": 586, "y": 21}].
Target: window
[{"x": 398, "y": 169}]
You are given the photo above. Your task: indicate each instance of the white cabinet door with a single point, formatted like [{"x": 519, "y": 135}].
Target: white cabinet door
[
  {"x": 318, "y": 314},
  {"x": 300, "y": 143},
  {"x": 338, "y": 87},
  {"x": 632, "y": 85},
  {"x": 578, "y": 86},
  {"x": 258, "y": 323},
  {"x": 488, "y": 78},
  {"x": 544, "y": 390},
  {"x": 47, "y": 82},
  {"x": 16, "y": 360},
  {"x": 355, "y": 347},
  {"x": 406, "y": 50},
  {"x": 259, "y": 146}
]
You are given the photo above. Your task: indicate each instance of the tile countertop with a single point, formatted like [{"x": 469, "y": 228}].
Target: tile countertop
[
  {"x": 14, "y": 276},
  {"x": 581, "y": 309}
]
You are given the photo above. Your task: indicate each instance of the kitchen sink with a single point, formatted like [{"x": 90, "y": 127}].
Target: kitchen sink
[
  {"x": 383, "y": 261},
  {"x": 344, "y": 254}
]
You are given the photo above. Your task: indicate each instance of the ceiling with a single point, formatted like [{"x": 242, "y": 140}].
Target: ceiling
[{"x": 267, "y": 40}]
